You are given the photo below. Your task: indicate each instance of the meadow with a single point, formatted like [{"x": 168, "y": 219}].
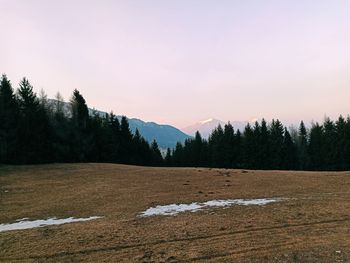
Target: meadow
[{"x": 309, "y": 223}]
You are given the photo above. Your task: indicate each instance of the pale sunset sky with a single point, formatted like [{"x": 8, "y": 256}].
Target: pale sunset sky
[{"x": 181, "y": 61}]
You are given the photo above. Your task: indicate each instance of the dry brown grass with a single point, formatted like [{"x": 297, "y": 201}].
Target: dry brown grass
[{"x": 313, "y": 225}]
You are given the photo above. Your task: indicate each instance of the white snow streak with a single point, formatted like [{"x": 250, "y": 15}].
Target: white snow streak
[
  {"x": 174, "y": 209},
  {"x": 24, "y": 223}
]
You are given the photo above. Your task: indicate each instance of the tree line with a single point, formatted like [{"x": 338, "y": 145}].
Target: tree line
[
  {"x": 36, "y": 130},
  {"x": 325, "y": 146}
]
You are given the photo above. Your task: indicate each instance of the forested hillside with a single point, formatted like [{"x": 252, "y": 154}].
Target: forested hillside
[
  {"x": 35, "y": 131},
  {"x": 165, "y": 135}
]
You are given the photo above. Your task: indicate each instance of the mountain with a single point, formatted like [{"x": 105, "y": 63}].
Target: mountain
[
  {"x": 205, "y": 127},
  {"x": 166, "y": 135}
]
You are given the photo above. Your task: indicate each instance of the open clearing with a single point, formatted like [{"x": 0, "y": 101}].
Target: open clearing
[{"x": 311, "y": 224}]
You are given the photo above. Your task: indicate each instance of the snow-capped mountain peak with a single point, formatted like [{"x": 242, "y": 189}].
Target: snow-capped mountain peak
[{"x": 205, "y": 127}]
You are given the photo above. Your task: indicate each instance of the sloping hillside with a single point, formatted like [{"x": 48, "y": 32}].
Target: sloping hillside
[{"x": 166, "y": 135}]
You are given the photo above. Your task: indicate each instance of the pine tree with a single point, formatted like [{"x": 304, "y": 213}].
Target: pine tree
[
  {"x": 329, "y": 150},
  {"x": 216, "y": 146},
  {"x": 157, "y": 159},
  {"x": 346, "y": 145},
  {"x": 316, "y": 145},
  {"x": 167, "y": 159},
  {"x": 197, "y": 150},
  {"x": 80, "y": 112},
  {"x": 238, "y": 149},
  {"x": 8, "y": 122},
  {"x": 81, "y": 138},
  {"x": 61, "y": 131},
  {"x": 229, "y": 157},
  {"x": 178, "y": 155},
  {"x": 137, "y": 157},
  {"x": 302, "y": 145},
  {"x": 126, "y": 150},
  {"x": 115, "y": 139},
  {"x": 289, "y": 152},
  {"x": 342, "y": 144},
  {"x": 276, "y": 143},
  {"x": 34, "y": 133},
  {"x": 264, "y": 147},
  {"x": 248, "y": 147}
]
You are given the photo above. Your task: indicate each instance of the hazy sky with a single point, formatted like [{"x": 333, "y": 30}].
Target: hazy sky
[{"x": 179, "y": 62}]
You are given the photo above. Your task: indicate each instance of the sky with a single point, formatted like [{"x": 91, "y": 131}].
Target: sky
[{"x": 182, "y": 61}]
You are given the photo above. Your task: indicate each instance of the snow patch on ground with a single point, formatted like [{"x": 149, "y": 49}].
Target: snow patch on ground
[
  {"x": 25, "y": 223},
  {"x": 174, "y": 209}
]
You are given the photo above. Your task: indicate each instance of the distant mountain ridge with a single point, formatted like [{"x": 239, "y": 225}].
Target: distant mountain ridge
[
  {"x": 166, "y": 135},
  {"x": 205, "y": 127}
]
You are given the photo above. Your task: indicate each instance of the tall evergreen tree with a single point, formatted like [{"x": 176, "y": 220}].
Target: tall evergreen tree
[
  {"x": 346, "y": 145},
  {"x": 81, "y": 138},
  {"x": 229, "y": 157},
  {"x": 248, "y": 147},
  {"x": 289, "y": 152},
  {"x": 116, "y": 139},
  {"x": 34, "y": 141},
  {"x": 216, "y": 146},
  {"x": 178, "y": 155},
  {"x": 8, "y": 122},
  {"x": 126, "y": 141},
  {"x": 329, "y": 150},
  {"x": 62, "y": 131},
  {"x": 264, "y": 149},
  {"x": 238, "y": 152},
  {"x": 315, "y": 148},
  {"x": 80, "y": 112},
  {"x": 276, "y": 143},
  {"x": 168, "y": 158},
  {"x": 137, "y": 151},
  {"x": 302, "y": 145},
  {"x": 156, "y": 155},
  {"x": 197, "y": 150},
  {"x": 342, "y": 144}
]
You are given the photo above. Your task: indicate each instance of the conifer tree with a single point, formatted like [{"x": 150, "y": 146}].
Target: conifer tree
[
  {"x": 264, "y": 147},
  {"x": 341, "y": 144},
  {"x": 238, "y": 149},
  {"x": 168, "y": 158},
  {"x": 34, "y": 133},
  {"x": 276, "y": 143},
  {"x": 256, "y": 161},
  {"x": 248, "y": 147},
  {"x": 62, "y": 131},
  {"x": 80, "y": 139},
  {"x": 80, "y": 112},
  {"x": 302, "y": 145},
  {"x": 137, "y": 157},
  {"x": 126, "y": 150},
  {"x": 229, "y": 157},
  {"x": 8, "y": 122},
  {"x": 289, "y": 152},
  {"x": 346, "y": 145},
  {"x": 216, "y": 146},
  {"x": 329, "y": 150},
  {"x": 315, "y": 147},
  {"x": 157, "y": 156},
  {"x": 177, "y": 156},
  {"x": 197, "y": 150}
]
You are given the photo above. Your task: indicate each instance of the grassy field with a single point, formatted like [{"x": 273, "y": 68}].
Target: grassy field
[{"x": 312, "y": 225}]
